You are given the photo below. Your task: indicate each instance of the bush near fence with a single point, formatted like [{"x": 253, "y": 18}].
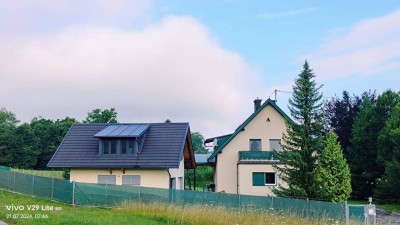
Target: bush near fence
[{"x": 117, "y": 195}]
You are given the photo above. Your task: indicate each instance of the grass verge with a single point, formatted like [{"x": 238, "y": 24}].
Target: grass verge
[{"x": 135, "y": 214}]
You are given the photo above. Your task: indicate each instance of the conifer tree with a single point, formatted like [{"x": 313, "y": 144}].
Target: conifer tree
[
  {"x": 332, "y": 175},
  {"x": 303, "y": 138}
]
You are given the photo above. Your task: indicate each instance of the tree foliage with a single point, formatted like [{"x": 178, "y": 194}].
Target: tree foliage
[
  {"x": 303, "y": 139},
  {"x": 332, "y": 175},
  {"x": 366, "y": 165},
  {"x": 102, "y": 116},
  {"x": 30, "y": 145},
  {"x": 363, "y": 152},
  {"x": 341, "y": 112},
  {"x": 8, "y": 125},
  {"x": 197, "y": 141},
  {"x": 389, "y": 155}
]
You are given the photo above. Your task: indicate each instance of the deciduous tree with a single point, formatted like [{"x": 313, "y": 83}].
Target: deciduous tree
[{"x": 102, "y": 116}]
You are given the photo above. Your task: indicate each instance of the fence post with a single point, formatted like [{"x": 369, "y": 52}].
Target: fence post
[
  {"x": 14, "y": 182},
  {"x": 33, "y": 182},
  {"x": 140, "y": 190},
  {"x": 52, "y": 188},
  {"x": 239, "y": 201},
  {"x": 308, "y": 208},
  {"x": 346, "y": 213},
  {"x": 73, "y": 193},
  {"x": 106, "y": 196},
  {"x": 272, "y": 202}
]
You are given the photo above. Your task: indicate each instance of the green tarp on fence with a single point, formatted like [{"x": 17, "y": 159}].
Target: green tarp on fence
[{"x": 118, "y": 195}]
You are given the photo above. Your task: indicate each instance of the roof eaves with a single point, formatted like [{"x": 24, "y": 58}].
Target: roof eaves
[
  {"x": 241, "y": 127},
  {"x": 183, "y": 144}
]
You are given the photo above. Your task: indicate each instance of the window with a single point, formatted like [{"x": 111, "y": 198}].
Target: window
[
  {"x": 255, "y": 144},
  {"x": 275, "y": 144},
  {"x": 117, "y": 147},
  {"x": 113, "y": 147},
  {"x": 264, "y": 179},
  {"x": 131, "y": 180},
  {"x": 106, "y": 179},
  {"x": 106, "y": 147},
  {"x": 127, "y": 147},
  {"x": 109, "y": 147}
]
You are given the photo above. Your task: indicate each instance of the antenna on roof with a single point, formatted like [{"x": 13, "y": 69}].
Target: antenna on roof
[{"x": 275, "y": 92}]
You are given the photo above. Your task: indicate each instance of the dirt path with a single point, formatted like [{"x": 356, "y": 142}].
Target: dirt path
[{"x": 384, "y": 217}]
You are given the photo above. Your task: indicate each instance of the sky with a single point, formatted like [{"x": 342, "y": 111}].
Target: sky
[{"x": 202, "y": 62}]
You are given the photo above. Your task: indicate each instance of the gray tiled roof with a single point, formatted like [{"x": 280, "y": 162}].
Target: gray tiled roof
[{"x": 163, "y": 148}]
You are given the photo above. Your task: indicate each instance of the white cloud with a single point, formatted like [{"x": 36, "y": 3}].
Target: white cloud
[
  {"x": 371, "y": 47},
  {"x": 286, "y": 13},
  {"x": 41, "y": 16},
  {"x": 174, "y": 69}
]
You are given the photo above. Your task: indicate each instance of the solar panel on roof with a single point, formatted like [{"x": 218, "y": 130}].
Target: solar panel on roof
[{"x": 123, "y": 130}]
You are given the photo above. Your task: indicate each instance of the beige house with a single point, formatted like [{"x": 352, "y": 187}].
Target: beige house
[
  {"x": 149, "y": 155},
  {"x": 243, "y": 160}
]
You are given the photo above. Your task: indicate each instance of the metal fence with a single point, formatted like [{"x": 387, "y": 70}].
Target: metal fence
[{"x": 118, "y": 195}]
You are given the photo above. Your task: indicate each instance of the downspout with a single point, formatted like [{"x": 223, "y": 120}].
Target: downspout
[
  {"x": 169, "y": 181},
  {"x": 237, "y": 177}
]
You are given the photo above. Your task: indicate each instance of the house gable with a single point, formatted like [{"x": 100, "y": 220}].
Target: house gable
[{"x": 227, "y": 139}]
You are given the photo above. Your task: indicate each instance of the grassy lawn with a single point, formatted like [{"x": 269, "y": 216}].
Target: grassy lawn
[
  {"x": 387, "y": 207},
  {"x": 44, "y": 173},
  {"x": 138, "y": 214},
  {"x": 66, "y": 215}
]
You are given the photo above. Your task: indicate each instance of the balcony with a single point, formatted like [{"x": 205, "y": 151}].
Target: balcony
[{"x": 256, "y": 156}]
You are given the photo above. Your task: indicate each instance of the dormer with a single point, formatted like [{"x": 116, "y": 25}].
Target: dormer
[{"x": 122, "y": 140}]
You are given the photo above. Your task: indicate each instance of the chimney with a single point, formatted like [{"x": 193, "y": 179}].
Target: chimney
[{"x": 257, "y": 104}]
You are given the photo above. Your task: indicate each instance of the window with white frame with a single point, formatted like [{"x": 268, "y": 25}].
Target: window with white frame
[{"x": 264, "y": 178}]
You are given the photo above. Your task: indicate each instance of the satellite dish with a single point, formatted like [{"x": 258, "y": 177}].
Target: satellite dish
[{"x": 215, "y": 142}]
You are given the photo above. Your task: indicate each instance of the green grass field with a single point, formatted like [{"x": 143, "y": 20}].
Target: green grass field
[
  {"x": 44, "y": 173},
  {"x": 133, "y": 214},
  {"x": 65, "y": 215}
]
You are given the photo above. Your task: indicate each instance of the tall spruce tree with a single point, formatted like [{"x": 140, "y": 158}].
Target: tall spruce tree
[
  {"x": 303, "y": 138},
  {"x": 332, "y": 175}
]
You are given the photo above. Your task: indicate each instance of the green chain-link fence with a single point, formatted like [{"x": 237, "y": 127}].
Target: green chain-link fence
[{"x": 118, "y": 195}]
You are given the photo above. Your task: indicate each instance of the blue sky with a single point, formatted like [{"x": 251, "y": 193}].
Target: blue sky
[{"x": 198, "y": 61}]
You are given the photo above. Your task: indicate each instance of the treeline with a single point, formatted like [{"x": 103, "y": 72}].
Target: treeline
[
  {"x": 31, "y": 145},
  {"x": 368, "y": 127}
]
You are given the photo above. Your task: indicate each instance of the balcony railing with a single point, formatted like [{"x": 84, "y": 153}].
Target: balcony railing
[{"x": 256, "y": 155}]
